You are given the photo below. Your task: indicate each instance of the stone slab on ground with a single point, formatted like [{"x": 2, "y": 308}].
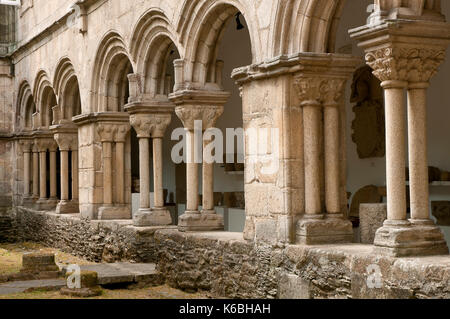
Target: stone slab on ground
[
  {"x": 122, "y": 273},
  {"x": 16, "y": 287}
]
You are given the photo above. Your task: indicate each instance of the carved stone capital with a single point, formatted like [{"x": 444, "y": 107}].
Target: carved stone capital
[
  {"x": 121, "y": 132},
  {"x": 44, "y": 144},
  {"x": 405, "y": 63},
  {"x": 208, "y": 115},
  {"x": 150, "y": 125},
  {"x": 67, "y": 141},
  {"x": 106, "y": 132},
  {"x": 26, "y": 145},
  {"x": 319, "y": 90}
]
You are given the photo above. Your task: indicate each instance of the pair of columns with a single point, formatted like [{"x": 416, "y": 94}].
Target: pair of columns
[
  {"x": 35, "y": 160},
  {"x": 321, "y": 99},
  {"x": 194, "y": 108},
  {"x": 68, "y": 142},
  {"x": 405, "y": 56},
  {"x": 113, "y": 137},
  {"x": 151, "y": 123}
]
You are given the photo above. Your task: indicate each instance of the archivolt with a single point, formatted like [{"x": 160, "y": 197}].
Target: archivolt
[
  {"x": 25, "y": 107},
  {"x": 149, "y": 48},
  {"x": 45, "y": 98},
  {"x": 201, "y": 26},
  {"x": 306, "y": 26},
  {"x": 111, "y": 60},
  {"x": 67, "y": 89}
]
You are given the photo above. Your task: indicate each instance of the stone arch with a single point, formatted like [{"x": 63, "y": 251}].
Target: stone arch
[
  {"x": 151, "y": 45},
  {"x": 45, "y": 98},
  {"x": 67, "y": 90},
  {"x": 25, "y": 107},
  {"x": 201, "y": 28},
  {"x": 306, "y": 26},
  {"x": 110, "y": 77}
]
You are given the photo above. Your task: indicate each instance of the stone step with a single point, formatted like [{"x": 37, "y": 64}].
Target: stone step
[
  {"x": 124, "y": 273},
  {"x": 16, "y": 287}
]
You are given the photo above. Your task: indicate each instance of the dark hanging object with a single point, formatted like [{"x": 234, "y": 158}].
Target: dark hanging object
[{"x": 239, "y": 25}]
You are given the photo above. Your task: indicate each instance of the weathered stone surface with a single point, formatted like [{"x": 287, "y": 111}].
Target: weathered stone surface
[
  {"x": 366, "y": 195},
  {"x": 441, "y": 210},
  {"x": 372, "y": 217},
  {"x": 88, "y": 285}
]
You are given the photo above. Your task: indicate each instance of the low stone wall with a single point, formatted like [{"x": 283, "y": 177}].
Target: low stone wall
[
  {"x": 98, "y": 241},
  {"x": 228, "y": 266},
  {"x": 8, "y": 227}
]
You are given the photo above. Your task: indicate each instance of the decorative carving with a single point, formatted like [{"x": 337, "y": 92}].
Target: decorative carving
[
  {"x": 326, "y": 90},
  {"x": 67, "y": 141},
  {"x": 26, "y": 145},
  {"x": 106, "y": 132},
  {"x": 405, "y": 64},
  {"x": 207, "y": 114},
  {"x": 44, "y": 144},
  {"x": 369, "y": 123},
  {"x": 150, "y": 125},
  {"x": 121, "y": 132}
]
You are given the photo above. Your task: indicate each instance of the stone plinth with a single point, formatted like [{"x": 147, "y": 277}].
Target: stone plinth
[
  {"x": 152, "y": 217},
  {"x": 371, "y": 217},
  {"x": 200, "y": 222},
  {"x": 323, "y": 231},
  {"x": 88, "y": 285},
  {"x": 114, "y": 213},
  {"x": 40, "y": 265}
]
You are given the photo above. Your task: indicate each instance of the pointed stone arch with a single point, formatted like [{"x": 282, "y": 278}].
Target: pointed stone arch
[
  {"x": 111, "y": 68},
  {"x": 67, "y": 90},
  {"x": 151, "y": 45}
]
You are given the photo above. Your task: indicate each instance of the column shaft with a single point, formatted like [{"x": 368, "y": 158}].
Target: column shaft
[
  {"x": 35, "y": 174},
  {"x": 207, "y": 182},
  {"x": 64, "y": 175},
  {"x": 144, "y": 172},
  {"x": 53, "y": 188},
  {"x": 75, "y": 175},
  {"x": 192, "y": 173},
  {"x": 107, "y": 173},
  {"x": 395, "y": 153},
  {"x": 332, "y": 176},
  {"x": 418, "y": 159},
  {"x": 43, "y": 175},
  {"x": 120, "y": 172},
  {"x": 312, "y": 117},
  {"x": 26, "y": 172},
  {"x": 158, "y": 172}
]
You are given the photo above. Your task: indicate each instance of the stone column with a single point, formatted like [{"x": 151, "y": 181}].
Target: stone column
[
  {"x": 208, "y": 183},
  {"x": 66, "y": 143},
  {"x": 35, "y": 171},
  {"x": 53, "y": 183},
  {"x": 106, "y": 133},
  {"x": 42, "y": 174},
  {"x": 406, "y": 57},
  {"x": 203, "y": 107},
  {"x": 120, "y": 164},
  {"x": 26, "y": 147},
  {"x": 323, "y": 222},
  {"x": 75, "y": 185},
  {"x": 151, "y": 123}
]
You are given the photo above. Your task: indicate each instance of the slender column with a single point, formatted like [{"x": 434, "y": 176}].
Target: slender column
[
  {"x": 43, "y": 174},
  {"x": 395, "y": 149},
  {"x": 120, "y": 172},
  {"x": 192, "y": 174},
  {"x": 53, "y": 188},
  {"x": 144, "y": 172},
  {"x": 64, "y": 175},
  {"x": 35, "y": 173},
  {"x": 107, "y": 172},
  {"x": 208, "y": 183},
  {"x": 157, "y": 172},
  {"x": 26, "y": 171},
  {"x": 312, "y": 112},
  {"x": 75, "y": 175},
  {"x": 418, "y": 159}
]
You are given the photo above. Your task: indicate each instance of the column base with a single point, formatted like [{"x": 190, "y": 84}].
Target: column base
[
  {"x": 67, "y": 207},
  {"x": 114, "y": 213},
  {"x": 45, "y": 204},
  {"x": 196, "y": 221},
  {"x": 415, "y": 238},
  {"x": 317, "y": 230},
  {"x": 152, "y": 217},
  {"x": 28, "y": 201}
]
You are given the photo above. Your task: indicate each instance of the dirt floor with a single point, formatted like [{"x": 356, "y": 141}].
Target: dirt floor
[{"x": 11, "y": 262}]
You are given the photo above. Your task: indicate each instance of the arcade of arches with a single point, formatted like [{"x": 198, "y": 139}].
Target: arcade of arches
[{"x": 90, "y": 98}]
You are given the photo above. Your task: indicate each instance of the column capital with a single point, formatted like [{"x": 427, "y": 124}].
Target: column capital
[
  {"x": 67, "y": 141},
  {"x": 150, "y": 125},
  {"x": 121, "y": 132},
  {"x": 405, "y": 63},
  {"x": 44, "y": 144},
  {"x": 26, "y": 145},
  {"x": 106, "y": 132},
  {"x": 317, "y": 90}
]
